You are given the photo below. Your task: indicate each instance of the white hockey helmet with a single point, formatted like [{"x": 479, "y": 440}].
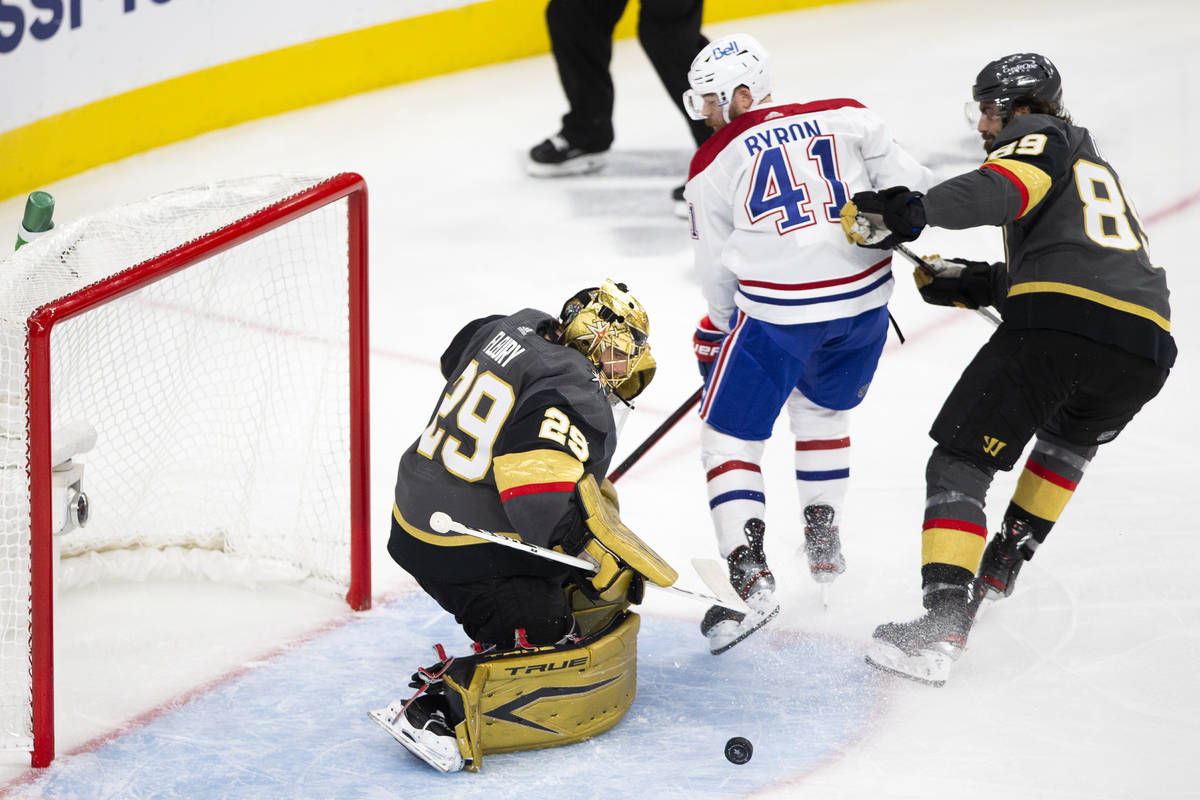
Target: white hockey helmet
[{"x": 723, "y": 66}]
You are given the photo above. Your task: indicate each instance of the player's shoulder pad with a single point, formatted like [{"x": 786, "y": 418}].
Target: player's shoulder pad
[
  {"x": 1039, "y": 139},
  {"x": 709, "y": 151},
  {"x": 556, "y": 370},
  {"x": 452, "y": 357}
]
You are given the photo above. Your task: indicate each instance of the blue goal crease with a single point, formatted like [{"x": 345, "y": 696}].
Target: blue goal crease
[{"x": 297, "y": 726}]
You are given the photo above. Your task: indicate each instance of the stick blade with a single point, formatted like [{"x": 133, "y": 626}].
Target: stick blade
[{"x": 713, "y": 573}]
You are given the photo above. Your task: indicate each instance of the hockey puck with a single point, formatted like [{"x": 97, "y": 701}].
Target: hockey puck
[{"x": 738, "y": 750}]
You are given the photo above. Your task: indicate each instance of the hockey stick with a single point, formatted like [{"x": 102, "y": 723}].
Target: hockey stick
[
  {"x": 920, "y": 262},
  {"x": 653, "y": 438},
  {"x": 441, "y": 522}
]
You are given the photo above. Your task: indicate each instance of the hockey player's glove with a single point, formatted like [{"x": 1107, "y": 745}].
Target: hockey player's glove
[
  {"x": 623, "y": 559},
  {"x": 883, "y": 219},
  {"x": 706, "y": 344},
  {"x": 954, "y": 282}
]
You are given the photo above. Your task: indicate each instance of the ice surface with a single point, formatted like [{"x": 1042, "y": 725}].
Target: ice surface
[{"x": 1080, "y": 685}]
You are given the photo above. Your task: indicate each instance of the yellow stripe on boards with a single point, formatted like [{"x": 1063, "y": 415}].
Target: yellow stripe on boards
[
  {"x": 1093, "y": 296},
  {"x": 474, "y": 35},
  {"x": 950, "y": 546}
]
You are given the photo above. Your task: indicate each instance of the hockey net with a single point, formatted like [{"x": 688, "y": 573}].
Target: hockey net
[{"x": 187, "y": 376}]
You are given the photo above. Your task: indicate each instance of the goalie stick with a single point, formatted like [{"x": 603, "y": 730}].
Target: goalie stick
[
  {"x": 658, "y": 433},
  {"x": 724, "y": 596},
  {"x": 920, "y": 262}
]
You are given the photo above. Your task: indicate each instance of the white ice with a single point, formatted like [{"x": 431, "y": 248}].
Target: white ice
[{"x": 1081, "y": 685}]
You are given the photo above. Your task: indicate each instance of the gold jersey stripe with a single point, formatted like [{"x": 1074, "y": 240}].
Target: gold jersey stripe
[
  {"x": 1093, "y": 296},
  {"x": 535, "y": 466},
  {"x": 441, "y": 539},
  {"x": 950, "y": 546},
  {"x": 1040, "y": 497},
  {"x": 1036, "y": 181}
]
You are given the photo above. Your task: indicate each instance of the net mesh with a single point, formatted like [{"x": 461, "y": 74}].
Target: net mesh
[{"x": 219, "y": 398}]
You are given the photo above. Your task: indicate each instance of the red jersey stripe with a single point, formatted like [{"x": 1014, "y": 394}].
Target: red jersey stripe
[
  {"x": 536, "y": 488},
  {"x": 795, "y": 287},
  {"x": 1015, "y": 182}
]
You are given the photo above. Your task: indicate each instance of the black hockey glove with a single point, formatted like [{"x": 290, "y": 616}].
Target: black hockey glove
[
  {"x": 954, "y": 282},
  {"x": 881, "y": 220}
]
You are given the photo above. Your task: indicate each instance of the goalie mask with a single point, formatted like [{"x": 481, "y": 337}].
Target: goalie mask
[
  {"x": 723, "y": 66},
  {"x": 611, "y": 328}
]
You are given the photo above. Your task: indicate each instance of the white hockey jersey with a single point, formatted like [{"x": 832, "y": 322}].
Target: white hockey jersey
[{"x": 764, "y": 194}]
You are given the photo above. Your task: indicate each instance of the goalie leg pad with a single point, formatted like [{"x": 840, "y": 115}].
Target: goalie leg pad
[{"x": 544, "y": 697}]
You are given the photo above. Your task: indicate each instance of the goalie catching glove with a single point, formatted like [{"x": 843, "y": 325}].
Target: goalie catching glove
[
  {"x": 624, "y": 560},
  {"x": 954, "y": 282},
  {"x": 881, "y": 220}
]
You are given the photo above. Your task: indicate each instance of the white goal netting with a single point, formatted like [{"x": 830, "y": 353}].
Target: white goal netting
[{"x": 219, "y": 398}]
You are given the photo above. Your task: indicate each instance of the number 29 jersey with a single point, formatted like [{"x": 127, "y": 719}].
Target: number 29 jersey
[
  {"x": 764, "y": 195},
  {"x": 521, "y": 420}
]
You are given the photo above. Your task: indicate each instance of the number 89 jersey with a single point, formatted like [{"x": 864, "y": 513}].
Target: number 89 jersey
[
  {"x": 1075, "y": 249},
  {"x": 765, "y": 194},
  {"x": 520, "y": 421}
]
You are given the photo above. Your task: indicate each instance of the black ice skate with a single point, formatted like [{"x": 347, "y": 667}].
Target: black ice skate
[
  {"x": 423, "y": 730},
  {"x": 557, "y": 157},
  {"x": 822, "y": 545},
  {"x": 1002, "y": 560},
  {"x": 754, "y": 583},
  {"x": 925, "y": 649}
]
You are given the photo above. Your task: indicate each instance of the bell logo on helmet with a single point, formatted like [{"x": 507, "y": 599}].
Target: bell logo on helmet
[{"x": 721, "y": 51}]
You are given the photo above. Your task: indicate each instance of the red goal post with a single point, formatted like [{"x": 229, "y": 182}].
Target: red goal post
[{"x": 260, "y": 279}]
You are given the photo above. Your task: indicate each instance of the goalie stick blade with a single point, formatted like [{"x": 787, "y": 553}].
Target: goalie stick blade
[
  {"x": 442, "y": 761},
  {"x": 713, "y": 573}
]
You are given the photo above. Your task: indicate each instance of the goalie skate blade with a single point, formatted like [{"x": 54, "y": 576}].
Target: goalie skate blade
[
  {"x": 441, "y": 761},
  {"x": 726, "y": 634},
  {"x": 926, "y": 667}
]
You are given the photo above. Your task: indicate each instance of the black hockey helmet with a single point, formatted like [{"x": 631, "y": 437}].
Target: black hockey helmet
[{"x": 1020, "y": 76}]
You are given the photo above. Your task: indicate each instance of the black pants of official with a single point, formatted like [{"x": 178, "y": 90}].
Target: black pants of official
[{"x": 581, "y": 36}]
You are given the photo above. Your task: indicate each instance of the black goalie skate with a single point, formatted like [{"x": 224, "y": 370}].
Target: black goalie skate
[
  {"x": 421, "y": 726},
  {"x": 754, "y": 583},
  {"x": 925, "y": 649}
]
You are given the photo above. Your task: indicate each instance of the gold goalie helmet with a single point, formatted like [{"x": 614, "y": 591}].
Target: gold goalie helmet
[{"x": 610, "y": 327}]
